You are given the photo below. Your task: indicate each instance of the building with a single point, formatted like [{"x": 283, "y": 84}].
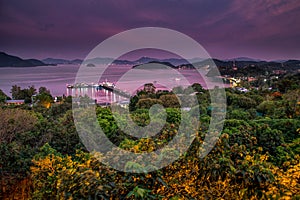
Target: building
[
  {"x": 149, "y": 87},
  {"x": 15, "y": 102},
  {"x": 123, "y": 104}
]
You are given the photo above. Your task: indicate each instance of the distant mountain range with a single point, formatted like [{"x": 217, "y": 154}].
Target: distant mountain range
[
  {"x": 142, "y": 60},
  {"x": 240, "y": 62},
  {"x": 244, "y": 59},
  {"x": 56, "y": 61},
  {"x": 14, "y": 61},
  {"x": 251, "y": 68},
  {"x": 155, "y": 65}
]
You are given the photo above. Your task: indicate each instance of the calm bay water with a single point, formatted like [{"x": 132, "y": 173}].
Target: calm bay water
[{"x": 56, "y": 78}]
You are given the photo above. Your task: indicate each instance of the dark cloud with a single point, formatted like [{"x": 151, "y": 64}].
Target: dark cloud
[{"x": 71, "y": 28}]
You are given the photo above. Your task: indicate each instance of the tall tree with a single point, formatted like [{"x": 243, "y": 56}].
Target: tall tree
[{"x": 16, "y": 92}]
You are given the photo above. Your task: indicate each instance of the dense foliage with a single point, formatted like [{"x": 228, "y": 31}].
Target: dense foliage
[{"x": 257, "y": 155}]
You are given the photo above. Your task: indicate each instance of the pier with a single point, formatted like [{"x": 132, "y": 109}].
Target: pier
[{"x": 103, "y": 94}]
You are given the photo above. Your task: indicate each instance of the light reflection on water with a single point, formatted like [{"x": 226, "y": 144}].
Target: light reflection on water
[
  {"x": 101, "y": 96},
  {"x": 56, "y": 78}
]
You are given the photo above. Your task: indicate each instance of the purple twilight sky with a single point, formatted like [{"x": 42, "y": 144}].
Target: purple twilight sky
[{"x": 264, "y": 29}]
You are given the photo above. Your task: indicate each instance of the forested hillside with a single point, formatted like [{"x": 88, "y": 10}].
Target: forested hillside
[{"x": 257, "y": 155}]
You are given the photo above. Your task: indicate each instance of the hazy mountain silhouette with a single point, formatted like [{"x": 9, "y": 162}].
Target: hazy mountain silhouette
[{"x": 14, "y": 61}]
